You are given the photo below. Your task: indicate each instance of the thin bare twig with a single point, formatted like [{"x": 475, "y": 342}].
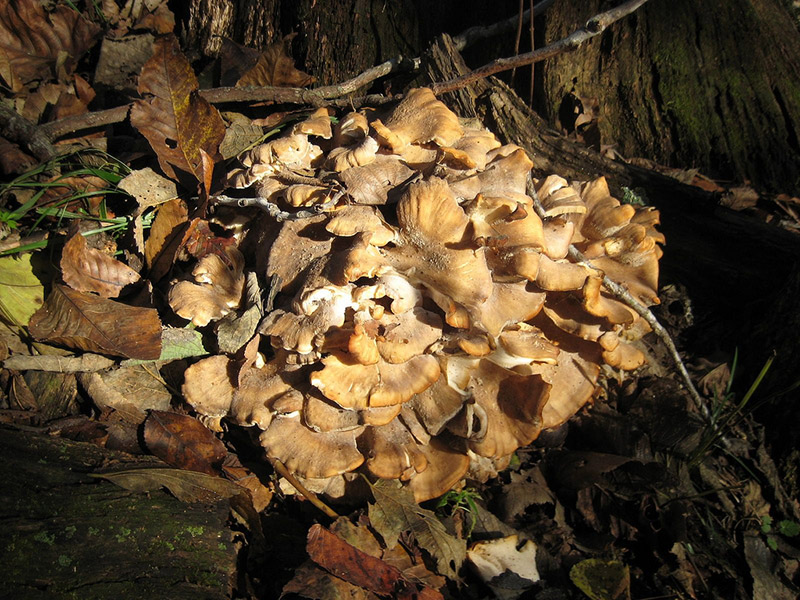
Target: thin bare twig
[
  {"x": 281, "y": 469},
  {"x": 477, "y": 33},
  {"x": 594, "y": 26},
  {"x": 314, "y": 97}
]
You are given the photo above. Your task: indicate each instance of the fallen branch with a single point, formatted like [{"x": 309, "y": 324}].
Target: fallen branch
[
  {"x": 19, "y": 130},
  {"x": 594, "y": 26},
  {"x": 323, "y": 96}
]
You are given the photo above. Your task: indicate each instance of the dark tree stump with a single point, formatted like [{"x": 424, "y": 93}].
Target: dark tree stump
[
  {"x": 713, "y": 85},
  {"x": 68, "y": 535}
]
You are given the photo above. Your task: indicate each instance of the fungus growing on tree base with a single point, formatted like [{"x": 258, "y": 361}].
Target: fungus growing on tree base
[{"x": 439, "y": 324}]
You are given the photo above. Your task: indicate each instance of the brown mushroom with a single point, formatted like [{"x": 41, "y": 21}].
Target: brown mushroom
[{"x": 418, "y": 119}]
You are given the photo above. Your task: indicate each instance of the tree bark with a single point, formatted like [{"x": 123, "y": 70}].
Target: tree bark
[
  {"x": 713, "y": 85},
  {"x": 67, "y": 535}
]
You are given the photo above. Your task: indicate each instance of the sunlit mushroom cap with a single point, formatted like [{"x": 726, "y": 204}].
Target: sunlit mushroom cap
[{"x": 418, "y": 119}]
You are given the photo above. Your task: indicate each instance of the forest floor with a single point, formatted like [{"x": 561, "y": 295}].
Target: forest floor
[{"x": 638, "y": 496}]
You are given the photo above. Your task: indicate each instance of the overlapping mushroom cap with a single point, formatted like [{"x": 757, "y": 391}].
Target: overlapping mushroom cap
[{"x": 437, "y": 324}]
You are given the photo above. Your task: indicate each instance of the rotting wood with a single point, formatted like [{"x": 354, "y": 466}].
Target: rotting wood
[{"x": 68, "y": 535}]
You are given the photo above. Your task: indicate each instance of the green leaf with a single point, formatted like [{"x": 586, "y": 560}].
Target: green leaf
[
  {"x": 788, "y": 528},
  {"x": 21, "y": 292},
  {"x": 602, "y": 579},
  {"x": 176, "y": 343},
  {"x": 395, "y": 511},
  {"x": 772, "y": 543},
  {"x": 766, "y": 524}
]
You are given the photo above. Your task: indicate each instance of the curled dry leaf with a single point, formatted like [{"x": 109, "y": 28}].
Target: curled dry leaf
[
  {"x": 148, "y": 187},
  {"x": 274, "y": 68},
  {"x": 129, "y": 391},
  {"x": 86, "y": 322},
  {"x": 88, "y": 270},
  {"x": 35, "y": 43},
  {"x": 183, "y": 442},
  {"x": 166, "y": 232},
  {"x": 173, "y": 117},
  {"x": 395, "y": 511}
]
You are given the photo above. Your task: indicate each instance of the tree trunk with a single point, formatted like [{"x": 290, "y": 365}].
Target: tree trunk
[
  {"x": 68, "y": 535},
  {"x": 713, "y": 85}
]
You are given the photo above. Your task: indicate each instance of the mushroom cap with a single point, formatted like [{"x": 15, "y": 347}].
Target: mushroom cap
[
  {"x": 346, "y": 157},
  {"x": 392, "y": 452},
  {"x": 354, "y": 219},
  {"x": 431, "y": 224},
  {"x": 418, "y": 119},
  {"x": 207, "y": 386},
  {"x": 513, "y": 405},
  {"x": 355, "y": 386},
  {"x": 308, "y": 453},
  {"x": 446, "y": 467},
  {"x": 323, "y": 416},
  {"x": 220, "y": 282},
  {"x": 318, "y": 123}
]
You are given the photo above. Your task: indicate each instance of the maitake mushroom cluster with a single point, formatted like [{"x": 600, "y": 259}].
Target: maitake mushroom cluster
[{"x": 430, "y": 323}]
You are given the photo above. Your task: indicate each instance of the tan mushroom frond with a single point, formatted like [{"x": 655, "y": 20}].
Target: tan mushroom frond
[
  {"x": 317, "y": 123},
  {"x": 308, "y": 453},
  {"x": 418, "y": 119},
  {"x": 346, "y": 157},
  {"x": 207, "y": 386},
  {"x": 392, "y": 452},
  {"x": 220, "y": 282}
]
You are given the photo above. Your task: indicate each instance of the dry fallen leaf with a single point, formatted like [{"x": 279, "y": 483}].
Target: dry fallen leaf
[
  {"x": 87, "y": 322},
  {"x": 183, "y": 442},
  {"x": 131, "y": 392},
  {"x": 359, "y": 568},
  {"x": 165, "y": 232},
  {"x": 88, "y": 270},
  {"x": 275, "y": 68},
  {"x": 149, "y": 188},
  {"x": 187, "y": 486},
  {"x": 37, "y": 44},
  {"x": 173, "y": 117},
  {"x": 315, "y": 583},
  {"x": 21, "y": 291},
  {"x": 395, "y": 511},
  {"x": 59, "y": 364}
]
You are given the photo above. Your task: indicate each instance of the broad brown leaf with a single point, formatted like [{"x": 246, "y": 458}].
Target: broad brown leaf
[
  {"x": 96, "y": 324},
  {"x": 186, "y": 486},
  {"x": 173, "y": 117},
  {"x": 183, "y": 442},
  {"x": 313, "y": 582},
  {"x": 88, "y": 270},
  {"x": 33, "y": 42},
  {"x": 349, "y": 563},
  {"x": 275, "y": 68},
  {"x": 168, "y": 226},
  {"x": 395, "y": 511}
]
